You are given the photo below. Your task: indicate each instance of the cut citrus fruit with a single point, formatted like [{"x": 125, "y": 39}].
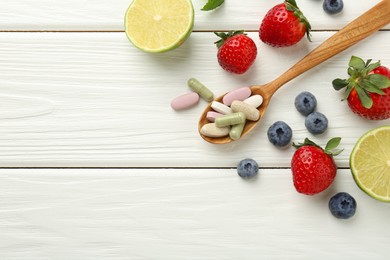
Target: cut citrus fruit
[
  {"x": 370, "y": 163},
  {"x": 159, "y": 25}
]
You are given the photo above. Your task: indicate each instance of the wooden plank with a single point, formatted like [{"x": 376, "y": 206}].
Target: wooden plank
[
  {"x": 92, "y": 99},
  {"x": 105, "y": 15},
  {"x": 181, "y": 214}
]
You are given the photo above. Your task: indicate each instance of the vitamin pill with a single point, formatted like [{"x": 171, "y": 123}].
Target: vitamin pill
[
  {"x": 236, "y": 131},
  {"x": 211, "y": 115},
  {"x": 254, "y": 101},
  {"x": 250, "y": 112},
  {"x": 231, "y": 119},
  {"x": 221, "y": 108},
  {"x": 201, "y": 89},
  {"x": 211, "y": 130},
  {"x": 185, "y": 101},
  {"x": 238, "y": 94}
]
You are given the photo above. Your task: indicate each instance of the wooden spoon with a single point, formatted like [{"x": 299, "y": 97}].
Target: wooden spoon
[{"x": 360, "y": 28}]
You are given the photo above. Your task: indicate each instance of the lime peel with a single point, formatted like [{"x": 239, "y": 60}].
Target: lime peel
[{"x": 372, "y": 173}]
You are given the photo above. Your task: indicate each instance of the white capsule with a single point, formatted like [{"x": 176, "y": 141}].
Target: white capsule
[
  {"x": 221, "y": 108},
  {"x": 255, "y": 100},
  {"x": 211, "y": 130},
  {"x": 250, "y": 112}
]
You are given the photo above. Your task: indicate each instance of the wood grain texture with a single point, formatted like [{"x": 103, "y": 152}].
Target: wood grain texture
[
  {"x": 104, "y": 103},
  {"x": 181, "y": 214},
  {"x": 90, "y": 99},
  {"x": 106, "y": 15}
]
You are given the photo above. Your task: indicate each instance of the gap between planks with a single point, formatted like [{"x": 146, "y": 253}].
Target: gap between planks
[
  {"x": 144, "y": 168},
  {"x": 122, "y": 31}
]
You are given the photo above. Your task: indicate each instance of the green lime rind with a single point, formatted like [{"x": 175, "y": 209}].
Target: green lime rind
[
  {"x": 353, "y": 169},
  {"x": 180, "y": 41}
]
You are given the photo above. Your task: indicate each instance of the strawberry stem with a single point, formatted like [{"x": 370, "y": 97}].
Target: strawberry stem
[
  {"x": 224, "y": 36},
  {"x": 362, "y": 80},
  {"x": 330, "y": 147},
  {"x": 291, "y": 5}
]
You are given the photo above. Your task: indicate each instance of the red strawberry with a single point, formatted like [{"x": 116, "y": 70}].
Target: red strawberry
[
  {"x": 284, "y": 25},
  {"x": 236, "y": 51},
  {"x": 367, "y": 89},
  {"x": 313, "y": 168}
]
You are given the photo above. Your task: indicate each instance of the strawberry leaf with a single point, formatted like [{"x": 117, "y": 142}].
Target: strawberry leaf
[
  {"x": 348, "y": 90},
  {"x": 362, "y": 79},
  {"x": 364, "y": 97},
  {"x": 337, "y": 152},
  {"x": 357, "y": 63},
  {"x": 372, "y": 88},
  {"x": 306, "y": 142},
  {"x": 368, "y": 62},
  {"x": 212, "y": 4},
  {"x": 370, "y": 67},
  {"x": 379, "y": 80},
  {"x": 224, "y": 36},
  {"x": 332, "y": 145},
  {"x": 339, "y": 84},
  {"x": 351, "y": 71}
]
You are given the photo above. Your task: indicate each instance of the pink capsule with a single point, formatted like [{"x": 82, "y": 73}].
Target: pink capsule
[
  {"x": 238, "y": 94},
  {"x": 185, "y": 101},
  {"x": 211, "y": 115}
]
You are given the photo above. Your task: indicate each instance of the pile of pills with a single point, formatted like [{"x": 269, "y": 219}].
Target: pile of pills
[{"x": 229, "y": 116}]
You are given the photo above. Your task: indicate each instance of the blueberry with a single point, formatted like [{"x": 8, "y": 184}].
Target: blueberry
[
  {"x": 333, "y": 6},
  {"x": 316, "y": 123},
  {"x": 305, "y": 103},
  {"x": 247, "y": 168},
  {"x": 279, "y": 134},
  {"x": 342, "y": 205}
]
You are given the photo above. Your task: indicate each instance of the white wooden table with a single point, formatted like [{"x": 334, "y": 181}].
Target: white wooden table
[{"x": 96, "y": 165}]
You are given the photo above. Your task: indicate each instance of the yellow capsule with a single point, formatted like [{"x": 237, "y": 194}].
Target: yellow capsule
[
  {"x": 201, "y": 89},
  {"x": 211, "y": 130},
  {"x": 250, "y": 112},
  {"x": 231, "y": 119}
]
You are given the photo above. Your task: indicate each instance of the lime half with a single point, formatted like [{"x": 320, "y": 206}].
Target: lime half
[
  {"x": 370, "y": 163},
  {"x": 159, "y": 25}
]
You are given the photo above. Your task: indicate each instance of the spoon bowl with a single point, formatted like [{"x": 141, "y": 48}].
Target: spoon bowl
[
  {"x": 249, "y": 125},
  {"x": 357, "y": 30}
]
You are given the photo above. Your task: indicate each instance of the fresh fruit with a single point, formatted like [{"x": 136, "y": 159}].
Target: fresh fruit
[
  {"x": 333, "y": 6},
  {"x": 370, "y": 163},
  {"x": 314, "y": 168},
  {"x": 316, "y": 123},
  {"x": 159, "y": 26},
  {"x": 247, "y": 168},
  {"x": 236, "y": 51},
  {"x": 279, "y": 134},
  {"x": 367, "y": 89},
  {"x": 284, "y": 25},
  {"x": 342, "y": 205},
  {"x": 305, "y": 103}
]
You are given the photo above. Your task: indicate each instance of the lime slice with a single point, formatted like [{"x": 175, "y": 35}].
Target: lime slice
[
  {"x": 159, "y": 25},
  {"x": 370, "y": 163}
]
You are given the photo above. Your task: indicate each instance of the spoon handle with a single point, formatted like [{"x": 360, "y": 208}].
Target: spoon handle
[{"x": 360, "y": 28}]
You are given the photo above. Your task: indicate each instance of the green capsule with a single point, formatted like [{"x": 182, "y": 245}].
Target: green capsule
[
  {"x": 231, "y": 119},
  {"x": 236, "y": 131},
  {"x": 201, "y": 89}
]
